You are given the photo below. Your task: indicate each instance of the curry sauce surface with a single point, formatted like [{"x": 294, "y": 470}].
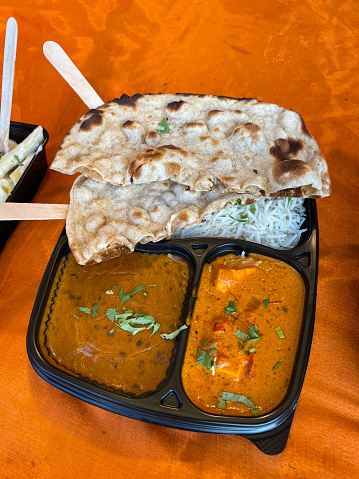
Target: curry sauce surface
[
  {"x": 266, "y": 294},
  {"x": 95, "y": 347}
]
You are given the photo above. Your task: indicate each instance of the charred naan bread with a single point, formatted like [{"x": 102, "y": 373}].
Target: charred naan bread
[
  {"x": 105, "y": 220},
  {"x": 200, "y": 141}
]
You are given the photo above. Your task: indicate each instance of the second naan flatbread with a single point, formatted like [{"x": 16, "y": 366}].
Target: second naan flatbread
[{"x": 105, "y": 220}]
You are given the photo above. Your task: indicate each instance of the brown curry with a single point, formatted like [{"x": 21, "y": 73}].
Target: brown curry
[
  {"x": 104, "y": 321},
  {"x": 243, "y": 335}
]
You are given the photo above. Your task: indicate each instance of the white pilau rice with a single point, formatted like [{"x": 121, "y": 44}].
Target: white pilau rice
[{"x": 274, "y": 222}]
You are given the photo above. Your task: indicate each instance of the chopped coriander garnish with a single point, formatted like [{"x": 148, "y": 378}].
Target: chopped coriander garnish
[
  {"x": 244, "y": 339},
  {"x": 175, "y": 333},
  {"x": 238, "y": 202},
  {"x": 265, "y": 303},
  {"x": 112, "y": 331},
  {"x": 280, "y": 333},
  {"x": 127, "y": 320},
  {"x": 230, "y": 308},
  {"x": 144, "y": 293},
  {"x": 237, "y": 398},
  {"x": 285, "y": 309},
  {"x": 276, "y": 365},
  {"x": 252, "y": 208},
  {"x": 76, "y": 316},
  {"x": 18, "y": 161},
  {"x": 127, "y": 296},
  {"x": 205, "y": 341},
  {"x": 94, "y": 311},
  {"x": 166, "y": 128},
  {"x": 85, "y": 310},
  {"x": 242, "y": 218}
]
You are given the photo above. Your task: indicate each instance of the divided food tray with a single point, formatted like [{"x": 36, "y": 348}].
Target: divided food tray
[
  {"x": 29, "y": 182},
  {"x": 169, "y": 405}
]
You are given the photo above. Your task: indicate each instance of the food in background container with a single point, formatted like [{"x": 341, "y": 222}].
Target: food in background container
[{"x": 14, "y": 163}]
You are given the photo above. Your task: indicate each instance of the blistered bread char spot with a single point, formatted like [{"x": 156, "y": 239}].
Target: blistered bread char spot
[
  {"x": 114, "y": 251},
  {"x": 183, "y": 216},
  {"x": 172, "y": 169},
  {"x": 292, "y": 168},
  {"x": 286, "y": 149},
  {"x": 152, "y": 135},
  {"x": 175, "y": 105},
  {"x": 91, "y": 122},
  {"x": 125, "y": 100},
  {"x": 155, "y": 209},
  {"x": 137, "y": 214},
  {"x": 212, "y": 113},
  {"x": 252, "y": 129},
  {"x": 193, "y": 124},
  {"x": 228, "y": 179},
  {"x": 239, "y": 112},
  {"x": 287, "y": 192},
  {"x": 255, "y": 171},
  {"x": 129, "y": 124}
]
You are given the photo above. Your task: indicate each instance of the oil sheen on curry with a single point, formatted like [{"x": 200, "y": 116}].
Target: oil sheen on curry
[
  {"x": 243, "y": 335},
  {"x": 112, "y": 322}
]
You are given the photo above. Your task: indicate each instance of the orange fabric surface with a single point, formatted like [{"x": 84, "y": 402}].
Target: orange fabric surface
[{"x": 299, "y": 54}]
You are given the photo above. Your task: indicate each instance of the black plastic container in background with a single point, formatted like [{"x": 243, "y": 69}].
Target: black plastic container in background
[
  {"x": 168, "y": 405},
  {"x": 29, "y": 182}
]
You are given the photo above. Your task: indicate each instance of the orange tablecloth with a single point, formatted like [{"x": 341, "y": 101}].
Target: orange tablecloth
[{"x": 300, "y": 54}]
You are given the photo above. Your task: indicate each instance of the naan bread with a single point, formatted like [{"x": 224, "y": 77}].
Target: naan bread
[
  {"x": 244, "y": 145},
  {"x": 105, "y": 220}
]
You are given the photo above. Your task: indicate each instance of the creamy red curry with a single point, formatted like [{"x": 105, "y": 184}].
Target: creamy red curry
[
  {"x": 105, "y": 321},
  {"x": 243, "y": 335}
]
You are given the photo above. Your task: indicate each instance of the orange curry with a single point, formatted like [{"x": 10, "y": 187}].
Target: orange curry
[
  {"x": 104, "y": 321},
  {"x": 243, "y": 335}
]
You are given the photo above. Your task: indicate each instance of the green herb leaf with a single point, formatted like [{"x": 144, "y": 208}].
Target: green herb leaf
[
  {"x": 205, "y": 341},
  {"x": 120, "y": 293},
  {"x": 94, "y": 311},
  {"x": 243, "y": 336},
  {"x": 243, "y": 218},
  {"x": 112, "y": 313},
  {"x": 252, "y": 208},
  {"x": 18, "y": 161},
  {"x": 239, "y": 202},
  {"x": 204, "y": 359},
  {"x": 253, "y": 333},
  {"x": 265, "y": 303},
  {"x": 112, "y": 331},
  {"x": 76, "y": 316},
  {"x": 144, "y": 293},
  {"x": 285, "y": 309},
  {"x": 127, "y": 327},
  {"x": 127, "y": 296},
  {"x": 166, "y": 128},
  {"x": 225, "y": 396},
  {"x": 138, "y": 288},
  {"x": 276, "y": 365},
  {"x": 231, "y": 308},
  {"x": 156, "y": 327},
  {"x": 85, "y": 310},
  {"x": 175, "y": 333},
  {"x": 280, "y": 333}
]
